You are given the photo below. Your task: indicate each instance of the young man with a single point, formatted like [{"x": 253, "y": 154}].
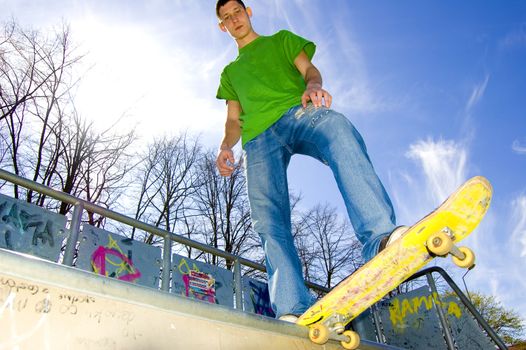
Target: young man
[{"x": 277, "y": 106}]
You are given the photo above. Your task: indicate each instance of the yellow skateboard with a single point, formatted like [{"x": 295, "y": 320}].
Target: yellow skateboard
[{"x": 432, "y": 236}]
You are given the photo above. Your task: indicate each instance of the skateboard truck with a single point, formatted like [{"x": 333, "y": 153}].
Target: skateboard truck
[
  {"x": 335, "y": 326},
  {"x": 441, "y": 244}
]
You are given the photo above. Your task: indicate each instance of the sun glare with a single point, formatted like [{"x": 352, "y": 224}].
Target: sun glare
[{"x": 130, "y": 77}]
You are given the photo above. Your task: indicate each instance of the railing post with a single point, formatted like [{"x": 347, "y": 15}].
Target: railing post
[
  {"x": 74, "y": 230},
  {"x": 167, "y": 262},
  {"x": 238, "y": 285},
  {"x": 377, "y": 327},
  {"x": 441, "y": 315}
]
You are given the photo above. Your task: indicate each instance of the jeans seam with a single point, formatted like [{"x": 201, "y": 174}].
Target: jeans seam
[
  {"x": 281, "y": 142},
  {"x": 320, "y": 153}
]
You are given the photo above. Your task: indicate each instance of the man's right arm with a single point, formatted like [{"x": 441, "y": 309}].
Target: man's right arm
[{"x": 225, "y": 158}]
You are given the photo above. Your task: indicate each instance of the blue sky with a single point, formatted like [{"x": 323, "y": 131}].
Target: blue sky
[{"x": 437, "y": 89}]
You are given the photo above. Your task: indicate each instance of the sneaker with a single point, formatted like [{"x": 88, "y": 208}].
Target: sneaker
[
  {"x": 388, "y": 240},
  {"x": 289, "y": 318}
]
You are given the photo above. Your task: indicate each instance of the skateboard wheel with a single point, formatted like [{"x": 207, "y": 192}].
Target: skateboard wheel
[
  {"x": 319, "y": 334},
  {"x": 469, "y": 258},
  {"x": 439, "y": 244},
  {"x": 354, "y": 340}
]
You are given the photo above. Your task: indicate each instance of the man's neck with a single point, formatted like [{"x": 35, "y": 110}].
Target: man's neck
[{"x": 247, "y": 39}]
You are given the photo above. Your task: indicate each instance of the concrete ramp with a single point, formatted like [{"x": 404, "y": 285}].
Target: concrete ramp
[{"x": 44, "y": 305}]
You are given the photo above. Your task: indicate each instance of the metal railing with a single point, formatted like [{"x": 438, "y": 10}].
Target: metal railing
[
  {"x": 168, "y": 237},
  {"x": 81, "y": 205},
  {"x": 428, "y": 273}
]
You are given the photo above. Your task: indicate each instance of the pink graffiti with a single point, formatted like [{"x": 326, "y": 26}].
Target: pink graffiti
[{"x": 98, "y": 260}]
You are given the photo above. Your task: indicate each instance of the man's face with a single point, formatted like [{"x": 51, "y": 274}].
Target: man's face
[{"x": 235, "y": 20}]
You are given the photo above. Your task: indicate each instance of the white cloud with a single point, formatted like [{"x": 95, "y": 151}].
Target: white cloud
[
  {"x": 477, "y": 94},
  {"x": 350, "y": 85},
  {"x": 518, "y": 235},
  {"x": 501, "y": 256},
  {"x": 518, "y": 148},
  {"x": 514, "y": 257},
  {"x": 443, "y": 163}
]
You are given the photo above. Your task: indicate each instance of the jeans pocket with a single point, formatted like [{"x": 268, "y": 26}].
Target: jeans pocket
[{"x": 311, "y": 112}]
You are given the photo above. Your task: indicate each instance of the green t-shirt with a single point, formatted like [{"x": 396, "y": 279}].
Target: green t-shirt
[{"x": 265, "y": 81}]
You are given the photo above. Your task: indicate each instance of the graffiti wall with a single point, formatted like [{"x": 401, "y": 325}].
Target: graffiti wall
[
  {"x": 119, "y": 257},
  {"x": 32, "y": 230},
  {"x": 411, "y": 321},
  {"x": 465, "y": 330},
  {"x": 197, "y": 280},
  {"x": 37, "y": 315},
  {"x": 29, "y": 229},
  {"x": 256, "y": 297}
]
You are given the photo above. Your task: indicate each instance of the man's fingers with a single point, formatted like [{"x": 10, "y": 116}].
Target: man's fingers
[
  {"x": 315, "y": 97},
  {"x": 304, "y": 99},
  {"x": 328, "y": 99},
  {"x": 225, "y": 170},
  {"x": 318, "y": 98},
  {"x": 224, "y": 163},
  {"x": 321, "y": 95},
  {"x": 231, "y": 159},
  {"x": 226, "y": 173}
]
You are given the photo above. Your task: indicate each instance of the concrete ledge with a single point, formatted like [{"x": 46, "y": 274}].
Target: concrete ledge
[{"x": 44, "y": 305}]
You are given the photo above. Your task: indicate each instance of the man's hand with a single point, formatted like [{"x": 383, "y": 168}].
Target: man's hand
[
  {"x": 313, "y": 81},
  {"x": 317, "y": 96},
  {"x": 225, "y": 162}
]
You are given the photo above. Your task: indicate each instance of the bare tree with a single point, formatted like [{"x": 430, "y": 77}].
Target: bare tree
[
  {"x": 35, "y": 79},
  {"x": 47, "y": 140},
  {"x": 307, "y": 251},
  {"x": 222, "y": 204},
  {"x": 148, "y": 188},
  {"x": 167, "y": 180},
  {"x": 335, "y": 252},
  {"x": 48, "y": 108},
  {"x": 105, "y": 171}
]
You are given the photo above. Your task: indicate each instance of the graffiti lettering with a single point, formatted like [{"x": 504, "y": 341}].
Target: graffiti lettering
[
  {"x": 71, "y": 302},
  {"x": 184, "y": 268},
  {"x": 68, "y": 309},
  {"x": 126, "y": 317},
  {"x": 73, "y": 299},
  {"x": 399, "y": 309},
  {"x": 200, "y": 285},
  {"x": 21, "y": 286},
  {"x": 13, "y": 303},
  {"x": 44, "y": 234},
  {"x": 43, "y": 306},
  {"x": 124, "y": 269},
  {"x": 18, "y": 222},
  {"x": 197, "y": 284}
]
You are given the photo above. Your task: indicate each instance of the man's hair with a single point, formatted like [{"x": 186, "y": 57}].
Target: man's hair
[{"x": 221, "y": 3}]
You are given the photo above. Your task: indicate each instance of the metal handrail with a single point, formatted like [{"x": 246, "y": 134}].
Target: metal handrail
[
  {"x": 81, "y": 205},
  {"x": 467, "y": 303},
  {"x": 168, "y": 236}
]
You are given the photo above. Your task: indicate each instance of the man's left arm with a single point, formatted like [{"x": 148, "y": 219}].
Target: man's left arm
[{"x": 313, "y": 82}]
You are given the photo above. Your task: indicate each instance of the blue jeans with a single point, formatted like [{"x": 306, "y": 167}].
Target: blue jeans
[{"x": 331, "y": 138}]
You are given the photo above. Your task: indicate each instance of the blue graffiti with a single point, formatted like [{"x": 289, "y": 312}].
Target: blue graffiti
[{"x": 19, "y": 222}]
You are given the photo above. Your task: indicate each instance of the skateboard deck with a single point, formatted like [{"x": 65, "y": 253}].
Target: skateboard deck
[{"x": 434, "y": 235}]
